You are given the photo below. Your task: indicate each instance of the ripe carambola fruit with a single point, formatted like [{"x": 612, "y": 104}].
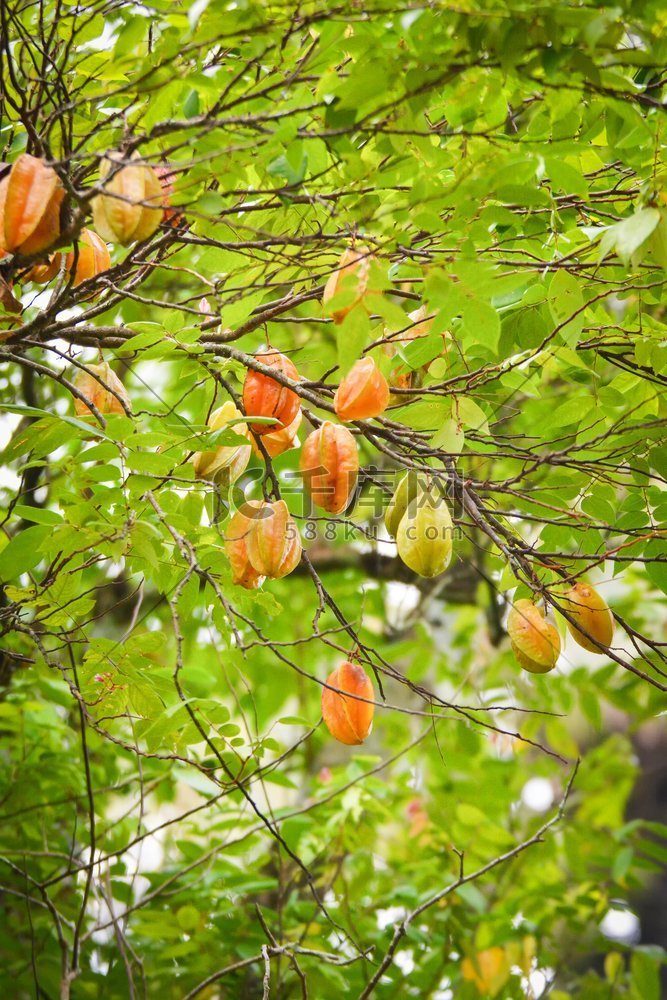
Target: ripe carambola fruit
[
  {"x": 92, "y": 257},
  {"x": 424, "y": 535},
  {"x": 405, "y": 493},
  {"x": 101, "y": 387},
  {"x": 349, "y": 281},
  {"x": 276, "y": 442},
  {"x": 228, "y": 461},
  {"x": 274, "y": 543},
  {"x": 264, "y": 397},
  {"x": 348, "y": 719},
  {"x": 131, "y": 207},
  {"x": 591, "y": 613},
  {"x": 363, "y": 393},
  {"x": 236, "y": 536},
  {"x": 41, "y": 274},
  {"x": 30, "y": 199},
  {"x": 535, "y": 642},
  {"x": 330, "y": 466}
]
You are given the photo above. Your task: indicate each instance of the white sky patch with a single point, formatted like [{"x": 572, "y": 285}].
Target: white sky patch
[
  {"x": 400, "y": 601},
  {"x": 621, "y": 925},
  {"x": 389, "y": 916},
  {"x": 537, "y": 794},
  {"x": 106, "y": 39},
  {"x": 41, "y": 300},
  {"x": 8, "y": 425},
  {"x": 405, "y": 961},
  {"x": 539, "y": 980},
  {"x": 416, "y": 779},
  {"x": 535, "y": 984}
]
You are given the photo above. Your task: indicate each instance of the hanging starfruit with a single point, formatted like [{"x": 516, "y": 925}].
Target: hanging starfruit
[
  {"x": 236, "y": 538},
  {"x": 274, "y": 542},
  {"x": 405, "y": 493},
  {"x": 264, "y": 397},
  {"x": 101, "y": 387},
  {"x": 130, "y": 207},
  {"x": 330, "y": 466},
  {"x": 591, "y": 613},
  {"x": 424, "y": 535},
  {"x": 363, "y": 393},
  {"x": 535, "y": 642},
  {"x": 228, "y": 462},
  {"x": 30, "y": 199},
  {"x": 92, "y": 257},
  {"x": 348, "y": 719}
]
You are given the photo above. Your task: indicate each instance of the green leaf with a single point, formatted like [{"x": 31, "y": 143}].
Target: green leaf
[
  {"x": 628, "y": 236},
  {"x": 622, "y": 863},
  {"x": 565, "y": 300},
  {"x": 466, "y": 411},
  {"x": 645, "y": 976},
  {"x": 351, "y": 338},
  {"x": 38, "y": 515},
  {"x": 426, "y": 415},
  {"x": 655, "y": 552},
  {"x": 450, "y": 437},
  {"x": 191, "y": 105},
  {"x": 481, "y": 323},
  {"x": 23, "y": 552},
  {"x": 293, "y": 174}
]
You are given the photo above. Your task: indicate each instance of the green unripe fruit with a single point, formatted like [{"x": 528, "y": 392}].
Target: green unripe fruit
[
  {"x": 405, "y": 493},
  {"x": 424, "y": 536}
]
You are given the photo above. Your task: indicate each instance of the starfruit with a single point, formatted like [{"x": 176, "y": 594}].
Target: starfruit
[
  {"x": 41, "y": 274},
  {"x": 130, "y": 207},
  {"x": 591, "y": 614},
  {"x": 330, "y": 466},
  {"x": 101, "y": 387},
  {"x": 228, "y": 462},
  {"x": 92, "y": 258},
  {"x": 30, "y": 199},
  {"x": 535, "y": 642},
  {"x": 363, "y": 393},
  {"x": 264, "y": 397},
  {"x": 274, "y": 542},
  {"x": 424, "y": 535},
  {"x": 276, "y": 442},
  {"x": 489, "y": 970},
  {"x": 236, "y": 537},
  {"x": 406, "y": 491},
  {"x": 348, "y": 719}
]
